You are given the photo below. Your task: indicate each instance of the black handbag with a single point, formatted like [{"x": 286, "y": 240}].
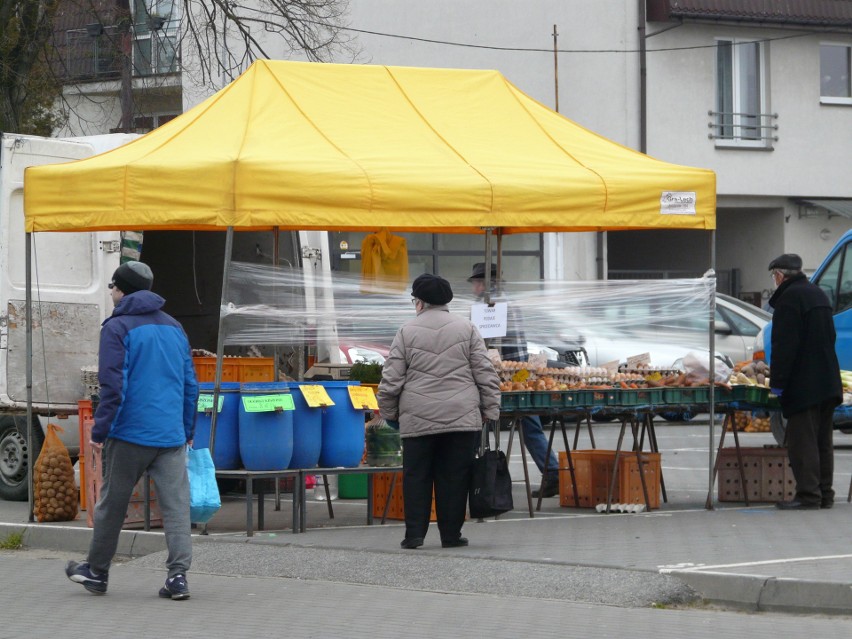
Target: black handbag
[{"x": 490, "y": 485}]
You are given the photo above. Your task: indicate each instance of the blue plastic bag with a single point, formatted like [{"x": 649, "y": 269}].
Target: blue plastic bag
[{"x": 204, "y": 501}]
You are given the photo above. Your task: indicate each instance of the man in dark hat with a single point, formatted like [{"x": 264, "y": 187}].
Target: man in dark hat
[
  {"x": 513, "y": 348},
  {"x": 143, "y": 422},
  {"x": 805, "y": 375},
  {"x": 437, "y": 386}
]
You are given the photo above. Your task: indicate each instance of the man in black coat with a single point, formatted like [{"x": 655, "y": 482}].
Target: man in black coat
[{"x": 805, "y": 375}]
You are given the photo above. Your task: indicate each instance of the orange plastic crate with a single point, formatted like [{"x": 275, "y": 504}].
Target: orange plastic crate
[
  {"x": 593, "y": 472},
  {"x": 235, "y": 369},
  {"x": 381, "y": 488}
]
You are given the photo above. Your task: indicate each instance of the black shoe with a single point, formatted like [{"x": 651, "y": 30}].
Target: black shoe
[
  {"x": 81, "y": 573},
  {"x": 551, "y": 489},
  {"x": 826, "y": 503},
  {"x": 454, "y": 543},
  {"x": 176, "y": 588},
  {"x": 796, "y": 505},
  {"x": 410, "y": 543}
]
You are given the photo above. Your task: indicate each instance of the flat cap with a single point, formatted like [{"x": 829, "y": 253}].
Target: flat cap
[
  {"x": 786, "y": 262},
  {"x": 432, "y": 289}
]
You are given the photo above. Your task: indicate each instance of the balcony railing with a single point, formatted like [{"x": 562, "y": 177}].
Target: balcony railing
[
  {"x": 743, "y": 128},
  {"x": 93, "y": 54}
]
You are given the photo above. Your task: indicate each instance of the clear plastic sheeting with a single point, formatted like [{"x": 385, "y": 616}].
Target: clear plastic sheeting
[{"x": 611, "y": 320}]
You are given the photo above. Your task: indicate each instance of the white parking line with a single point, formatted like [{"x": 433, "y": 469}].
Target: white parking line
[{"x": 766, "y": 562}]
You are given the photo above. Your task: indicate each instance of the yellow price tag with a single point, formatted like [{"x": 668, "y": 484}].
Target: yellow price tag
[
  {"x": 315, "y": 396},
  {"x": 521, "y": 376},
  {"x": 363, "y": 398}
]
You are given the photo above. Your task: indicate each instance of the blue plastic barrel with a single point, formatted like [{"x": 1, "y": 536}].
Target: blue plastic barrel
[
  {"x": 342, "y": 429},
  {"x": 226, "y": 448},
  {"x": 266, "y": 438},
  {"x": 307, "y": 431}
]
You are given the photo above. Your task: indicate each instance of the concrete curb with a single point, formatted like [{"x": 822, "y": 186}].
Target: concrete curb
[
  {"x": 764, "y": 593},
  {"x": 131, "y": 543}
]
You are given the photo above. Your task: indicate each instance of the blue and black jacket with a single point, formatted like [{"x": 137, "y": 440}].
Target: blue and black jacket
[{"x": 148, "y": 388}]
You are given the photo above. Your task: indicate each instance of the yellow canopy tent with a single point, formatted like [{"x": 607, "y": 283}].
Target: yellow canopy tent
[
  {"x": 291, "y": 145},
  {"x": 328, "y": 146}
]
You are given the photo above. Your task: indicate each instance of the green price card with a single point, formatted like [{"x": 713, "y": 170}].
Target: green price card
[
  {"x": 205, "y": 403},
  {"x": 268, "y": 403}
]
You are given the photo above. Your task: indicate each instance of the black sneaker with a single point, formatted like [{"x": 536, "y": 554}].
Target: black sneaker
[
  {"x": 410, "y": 543},
  {"x": 175, "y": 588},
  {"x": 81, "y": 573}
]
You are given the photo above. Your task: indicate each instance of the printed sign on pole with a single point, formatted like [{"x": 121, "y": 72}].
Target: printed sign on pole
[{"x": 490, "y": 320}]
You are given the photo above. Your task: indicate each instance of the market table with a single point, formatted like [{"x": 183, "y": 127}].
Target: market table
[
  {"x": 370, "y": 471},
  {"x": 248, "y": 476}
]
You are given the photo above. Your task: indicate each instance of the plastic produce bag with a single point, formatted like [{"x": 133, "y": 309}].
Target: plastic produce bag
[
  {"x": 55, "y": 496},
  {"x": 204, "y": 500},
  {"x": 383, "y": 445},
  {"x": 697, "y": 369}
]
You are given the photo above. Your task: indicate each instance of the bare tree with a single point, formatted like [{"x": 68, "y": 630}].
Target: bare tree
[
  {"x": 214, "y": 40},
  {"x": 27, "y": 87}
]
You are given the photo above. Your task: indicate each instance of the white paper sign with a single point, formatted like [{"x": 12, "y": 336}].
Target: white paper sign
[
  {"x": 611, "y": 366},
  {"x": 490, "y": 320},
  {"x": 677, "y": 203},
  {"x": 635, "y": 361}
]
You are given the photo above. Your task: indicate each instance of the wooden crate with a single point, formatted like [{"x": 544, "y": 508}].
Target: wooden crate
[
  {"x": 381, "y": 488},
  {"x": 768, "y": 475},
  {"x": 94, "y": 480},
  {"x": 593, "y": 473}
]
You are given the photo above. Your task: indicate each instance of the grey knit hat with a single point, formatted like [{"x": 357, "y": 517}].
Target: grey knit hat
[{"x": 133, "y": 276}]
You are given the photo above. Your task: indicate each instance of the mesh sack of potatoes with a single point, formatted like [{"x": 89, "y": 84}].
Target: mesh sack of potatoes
[{"x": 55, "y": 489}]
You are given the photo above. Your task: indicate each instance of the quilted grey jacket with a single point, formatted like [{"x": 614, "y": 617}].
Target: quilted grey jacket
[{"x": 437, "y": 377}]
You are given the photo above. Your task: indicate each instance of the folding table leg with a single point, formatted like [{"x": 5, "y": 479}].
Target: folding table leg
[
  {"x": 249, "y": 517},
  {"x": 526, "y": 469},
  {"x": 708, "y": 504},
  {"x": 569, "y": 457},
  {"x": 546, "y": 460},
  {"x": 388, "y": 500},
  {"x": 615, "y": 465},
  {"x": 655, "y": 448}
]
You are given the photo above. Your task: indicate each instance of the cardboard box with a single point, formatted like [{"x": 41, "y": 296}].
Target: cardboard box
[
  {"x": 768, "y": 475},
  {"x": 593, "y": 472}
]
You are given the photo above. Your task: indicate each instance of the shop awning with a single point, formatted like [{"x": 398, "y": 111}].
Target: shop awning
[{"x": 358, "y": 147}]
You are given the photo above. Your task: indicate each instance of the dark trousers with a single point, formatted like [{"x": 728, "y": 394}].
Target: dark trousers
[
  {"x": 810, "y": 446},
  {"x": 442, "y": 461}
]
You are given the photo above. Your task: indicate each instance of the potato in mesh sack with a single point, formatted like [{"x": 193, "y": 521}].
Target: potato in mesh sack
[{"x": 55, "y": 490}]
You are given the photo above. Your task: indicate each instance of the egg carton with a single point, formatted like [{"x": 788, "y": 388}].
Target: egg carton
[{"x": 621, "y": 508}]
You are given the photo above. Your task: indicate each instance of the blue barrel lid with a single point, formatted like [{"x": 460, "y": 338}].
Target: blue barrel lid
[
  {"x": 265, "y": 387},
  {"x": 337, "y": 384},
  {"x": 224, "y": 387}
]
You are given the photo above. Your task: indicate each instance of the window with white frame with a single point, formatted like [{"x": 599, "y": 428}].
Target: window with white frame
[
  {"x": 835, "y": 62},
  {"x": 740, "y": 116},
  {"x": 155, "y": 26}
]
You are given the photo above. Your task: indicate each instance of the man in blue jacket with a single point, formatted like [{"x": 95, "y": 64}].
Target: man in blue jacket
[
  {"x": 805, "y": 376},
  {"x": 143, "y": 422}
]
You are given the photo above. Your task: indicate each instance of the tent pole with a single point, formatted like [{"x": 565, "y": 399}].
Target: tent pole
[
  {"x": 220, "y": 340},
  {"x": 276, "y": 246},
  {"x": 712, "y": 338},
  {"x": 488, "y": 265},
  {"x": 29, "y": 332},
  {"x": 499, "y": 279}
]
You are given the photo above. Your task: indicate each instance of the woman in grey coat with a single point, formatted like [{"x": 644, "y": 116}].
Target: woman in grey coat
[{"x": 437, "y": 386}]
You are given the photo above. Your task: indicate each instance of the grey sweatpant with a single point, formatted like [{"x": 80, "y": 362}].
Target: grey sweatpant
[{"x": 123, "y": 466}]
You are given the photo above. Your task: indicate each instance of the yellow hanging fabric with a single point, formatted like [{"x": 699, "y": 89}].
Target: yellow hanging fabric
[{"x": 384, "y": 263}]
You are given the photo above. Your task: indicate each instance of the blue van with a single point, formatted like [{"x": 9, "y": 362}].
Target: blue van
[{"x": 834, "y": 276}]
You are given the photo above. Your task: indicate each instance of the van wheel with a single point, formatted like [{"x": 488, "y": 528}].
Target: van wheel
[{"x": 15, "y": 456}]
